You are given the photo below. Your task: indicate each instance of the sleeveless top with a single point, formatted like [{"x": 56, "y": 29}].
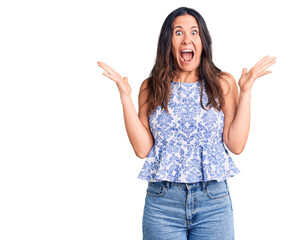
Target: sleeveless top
[{"x": 188, "y": 143}]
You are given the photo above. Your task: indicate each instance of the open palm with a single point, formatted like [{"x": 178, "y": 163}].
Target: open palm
[
  {"x": 259, "y": 69},
  {"x": 122, "y": 83}
]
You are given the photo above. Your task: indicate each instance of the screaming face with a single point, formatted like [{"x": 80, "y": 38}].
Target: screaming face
[{"x": 186, "y": 43}]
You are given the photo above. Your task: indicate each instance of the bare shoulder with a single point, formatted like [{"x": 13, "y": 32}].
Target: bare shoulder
[
  {"x": 143, "y": 93},
  {"x": 228, "y": 83},
  {"x": 231, "y": 95},
  {"x": 143, "y": 108},
  {"x": 144, "y": 84}
]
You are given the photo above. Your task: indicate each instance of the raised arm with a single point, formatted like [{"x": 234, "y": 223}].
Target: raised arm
[
  {"x": 237, "y": 107},
  {"x": 137, "y": 126}
]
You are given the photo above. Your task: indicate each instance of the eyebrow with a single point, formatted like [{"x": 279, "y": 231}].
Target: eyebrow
[{"x": 182, "y": 27}]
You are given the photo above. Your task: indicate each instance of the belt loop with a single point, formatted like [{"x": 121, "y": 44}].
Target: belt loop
[
  {"x": 167, "y": 184},
  {"x": 204, "y": 186}
]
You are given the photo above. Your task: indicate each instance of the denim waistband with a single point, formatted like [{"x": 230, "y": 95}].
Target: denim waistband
[{"x": 168, "y": 184}]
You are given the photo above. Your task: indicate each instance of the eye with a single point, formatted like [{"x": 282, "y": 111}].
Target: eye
[
  {"x": 178, "y": 33},
  {"x": 194, "y": 32}
]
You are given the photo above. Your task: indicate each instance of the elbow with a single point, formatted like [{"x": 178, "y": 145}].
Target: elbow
[
  {"x": 144, "y": 149},
  {"x": 238, "y": 150},
  {"x": 140, "y": 155},
  {"x": 143, "y": 153}
]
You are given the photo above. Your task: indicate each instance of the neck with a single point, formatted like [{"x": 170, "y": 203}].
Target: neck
[{"x": 186, "y": 77}]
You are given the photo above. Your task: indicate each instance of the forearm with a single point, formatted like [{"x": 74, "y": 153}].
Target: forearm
[
  {"x": 239, "y": 129},
  {"x": 137, "y": 133}
]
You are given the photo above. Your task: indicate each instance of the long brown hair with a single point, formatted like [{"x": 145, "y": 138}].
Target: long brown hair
[{"x": 159, "y": 81}]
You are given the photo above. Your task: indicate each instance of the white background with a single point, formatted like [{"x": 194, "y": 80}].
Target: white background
[{"x": 67, "y": 168}]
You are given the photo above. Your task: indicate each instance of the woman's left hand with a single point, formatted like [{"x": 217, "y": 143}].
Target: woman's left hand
[{"x": 247, "y": 78}]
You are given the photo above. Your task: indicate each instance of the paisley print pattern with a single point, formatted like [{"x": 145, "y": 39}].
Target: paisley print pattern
[{"x": 188, "y": 140}]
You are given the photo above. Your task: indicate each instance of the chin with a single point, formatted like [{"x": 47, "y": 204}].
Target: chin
[
  {"x": 188, "y": 65},
  {"x": 189, "y": 68}
]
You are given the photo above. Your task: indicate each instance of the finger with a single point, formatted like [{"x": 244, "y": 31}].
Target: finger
[
  {"x": 244, "y": 71},
  {"x": 263, "y": 73},
  {"x": 261, "y": 61},
  {"x": 103, "y": 66},
  {"x": 110, "y": 76},
  {"x": 267, "y": 65},
  {"x": 266, "y": 62},
  {"x": 107, "y": 68}
]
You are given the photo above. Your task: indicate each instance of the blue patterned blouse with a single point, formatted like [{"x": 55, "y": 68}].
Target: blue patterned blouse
[{"x": 188, "y": 140}]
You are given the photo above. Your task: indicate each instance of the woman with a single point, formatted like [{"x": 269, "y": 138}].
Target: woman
[{"x": 188, "y": 110}]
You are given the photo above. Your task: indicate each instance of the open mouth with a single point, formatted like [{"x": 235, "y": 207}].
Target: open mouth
[{"x": 187, "y": 55}]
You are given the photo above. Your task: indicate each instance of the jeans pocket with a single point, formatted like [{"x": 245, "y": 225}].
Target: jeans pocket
[
  {"x": 216, "y": 189},
  {"x": 156, "y": 189}
]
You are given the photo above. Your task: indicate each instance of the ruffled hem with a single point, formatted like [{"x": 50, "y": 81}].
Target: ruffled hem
[
  {"x": 203, "y": 163},
  {"x": 171, "y": 180}
]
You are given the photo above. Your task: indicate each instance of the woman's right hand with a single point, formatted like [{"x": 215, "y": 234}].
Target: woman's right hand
[{"x": 122, "y": 83}]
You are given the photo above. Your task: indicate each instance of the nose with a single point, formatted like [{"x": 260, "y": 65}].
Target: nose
[{"x": 186, "y": 39}]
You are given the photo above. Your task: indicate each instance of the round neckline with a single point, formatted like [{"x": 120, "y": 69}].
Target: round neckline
[{"x": 185, "y": 82}]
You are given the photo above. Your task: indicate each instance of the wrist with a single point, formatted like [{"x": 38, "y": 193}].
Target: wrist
[
  {"x": 246, "y": 95},
  {"x": 124, "y": 97}
]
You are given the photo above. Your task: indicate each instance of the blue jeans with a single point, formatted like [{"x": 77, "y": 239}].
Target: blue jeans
[{"x": 178, "y": 211}]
